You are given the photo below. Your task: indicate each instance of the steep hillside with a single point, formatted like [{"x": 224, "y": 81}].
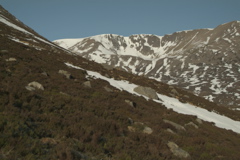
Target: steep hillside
[
  {"x": 56, "y": 105},
  {"x": 205, "y": 61}
]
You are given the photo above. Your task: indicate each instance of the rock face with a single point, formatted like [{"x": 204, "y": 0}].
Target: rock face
[
  {"x": 146, "y": 91},
  {"x": 177, "y": 151},
  {"x": 34, "y": 85},
  {"x": 203, "y": 61}
]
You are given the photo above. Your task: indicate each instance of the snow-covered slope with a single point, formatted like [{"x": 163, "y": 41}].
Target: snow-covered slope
[
  {"x": 172, "y": 103},
  {"x": 204, "y": 61}
]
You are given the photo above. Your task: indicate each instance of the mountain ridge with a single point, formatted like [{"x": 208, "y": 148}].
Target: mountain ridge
[{"x": 184, "y": 59}]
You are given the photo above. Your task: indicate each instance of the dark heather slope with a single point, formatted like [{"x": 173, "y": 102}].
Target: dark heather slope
[
  {"x": 205, "y": 62},
  {"x": 64, "y": 119}
]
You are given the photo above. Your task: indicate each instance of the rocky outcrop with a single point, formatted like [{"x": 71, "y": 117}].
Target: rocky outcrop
[
  {"x": 177, "y": 151},
  {"x": 146, "y": 91},
  {"x": 34, "y": 85}
]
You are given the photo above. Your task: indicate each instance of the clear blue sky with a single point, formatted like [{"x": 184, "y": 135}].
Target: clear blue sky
[{"x": 57, "y": 19}]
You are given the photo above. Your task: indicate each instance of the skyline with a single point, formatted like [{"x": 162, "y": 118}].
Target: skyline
[{"x": 60, "y": 19}]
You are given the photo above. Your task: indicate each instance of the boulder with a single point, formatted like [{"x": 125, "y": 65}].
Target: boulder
[
  {"x": 34, "y": 85},
  {"x": 130, "y": 120},
  {"x": 192, "y": 124},
  {"x": 175, "y": 125},
  {"x": 199, "y": 121},
  {"x": 146, "y": 91},
  {"x": 30, "y": 88},
  {"x": 147, "y": 130},
  {"x": 87, "y": 84},
  {"x": 177, "y": 151},
  {"x": 131, "y": 103},
  {"x": 11, "y": 59},
  {"x": 108, "y": 89},
  {"x": 131, "y": 128},
  {"x": 45, "y": 74},
  {"x": 66, "y": 74},
  {"x": 140, "y": 127},
  {"x": 175, "y": 92},
  {"x": 170, "y": 131}
]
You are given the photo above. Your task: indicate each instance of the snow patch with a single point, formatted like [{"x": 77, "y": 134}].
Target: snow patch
[
  {"x": 3, "y": 20},
  {"x": 194, "y": 67},
  {"x": 210, "y": 98},
  {"x": 228, "y": 40}
]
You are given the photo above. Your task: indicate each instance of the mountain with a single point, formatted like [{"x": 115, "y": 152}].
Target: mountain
[
  {"x": 57, "y": 105},
  {"x": 205, "y": 62}
]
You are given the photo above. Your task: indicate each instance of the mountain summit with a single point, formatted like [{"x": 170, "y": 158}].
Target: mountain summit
[{"x": 203, "y": 61}]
